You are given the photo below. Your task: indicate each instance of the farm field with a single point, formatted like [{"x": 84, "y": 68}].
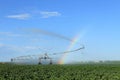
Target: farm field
[{"x": 60, "y": 72}]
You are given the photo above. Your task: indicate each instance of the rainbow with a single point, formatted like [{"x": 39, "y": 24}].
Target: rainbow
[{"x": 72, "y": 44}]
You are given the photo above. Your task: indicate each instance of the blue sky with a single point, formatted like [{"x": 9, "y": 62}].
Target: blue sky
[{"x": 96, "y": 21}]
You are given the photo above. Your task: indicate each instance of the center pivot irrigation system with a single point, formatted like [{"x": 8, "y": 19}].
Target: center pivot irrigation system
[{"x": 45, "y": 56}]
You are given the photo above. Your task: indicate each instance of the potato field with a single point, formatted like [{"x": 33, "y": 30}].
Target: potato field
[{"x": 60, "y": 72}]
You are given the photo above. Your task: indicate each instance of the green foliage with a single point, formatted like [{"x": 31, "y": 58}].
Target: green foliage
[{"x": 60, "y": 72}]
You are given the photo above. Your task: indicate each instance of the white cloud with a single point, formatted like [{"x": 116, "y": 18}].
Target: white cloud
[
  {"x": 43, "y": 14},
  {"x": 19, "y": 16},
  {"x": 47, "y": 14}
]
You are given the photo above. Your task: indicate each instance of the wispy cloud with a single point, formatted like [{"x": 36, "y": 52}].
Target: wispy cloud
[
  {"x": 47, "y": 14},
  {"x": 10, "y": 34},
  {"x": 1, "y": 45},
  {"x": 19, "y": 16},
  {"x": 21, "y": 49},
  {"x": 43, "y": 14}
]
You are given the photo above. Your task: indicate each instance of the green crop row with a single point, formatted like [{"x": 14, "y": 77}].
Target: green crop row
[{"x": 60, "y": 72}]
